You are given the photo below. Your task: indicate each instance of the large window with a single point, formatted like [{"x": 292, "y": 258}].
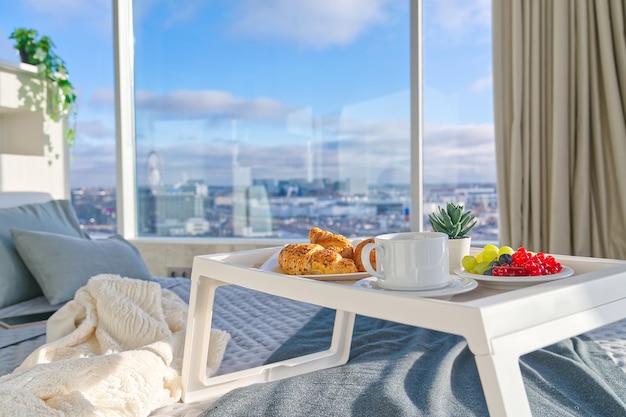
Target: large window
[{"x": 260, "y": 119}]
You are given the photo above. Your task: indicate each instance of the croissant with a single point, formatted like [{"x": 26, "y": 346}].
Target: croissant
[
  {"x": 357, "y": 255},
  {"x": 332, "y": 241},
  {"x": 313, "y": 259}
]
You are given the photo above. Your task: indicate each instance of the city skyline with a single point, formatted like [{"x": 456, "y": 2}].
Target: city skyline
[{"x": 285, "y": 209}]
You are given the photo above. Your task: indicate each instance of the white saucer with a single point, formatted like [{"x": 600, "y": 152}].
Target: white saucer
[{"x": 456, "y": 285}]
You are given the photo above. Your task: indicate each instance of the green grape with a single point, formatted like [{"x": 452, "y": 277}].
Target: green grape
[
  {"x": 489, "y": 255},
  {"x": 506, "y": 250},
  {"x": 491, "y": 246},
  {"x": 481, "y": 267},
  {"x": 468, "y": 262}
]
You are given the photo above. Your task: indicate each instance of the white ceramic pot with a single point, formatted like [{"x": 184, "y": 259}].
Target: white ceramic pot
[{"x": 457, "y": 249}]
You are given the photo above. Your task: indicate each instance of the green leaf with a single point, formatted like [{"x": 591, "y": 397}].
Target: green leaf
[
  {"x": 455, "y": 231},
  {"x": 466, "y": 230},
  {"x": 455, "y": 215},
  {"x": 435, "y": 223}
]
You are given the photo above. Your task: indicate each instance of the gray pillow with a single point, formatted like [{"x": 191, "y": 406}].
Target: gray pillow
[
  {"x": 56, "y": 216},
  {"x": 62, "y": 264}
]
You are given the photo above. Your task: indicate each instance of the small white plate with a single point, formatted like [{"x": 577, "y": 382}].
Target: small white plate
[
  {"x": 271, "y": 265},
  {"x": 509, "y": 283},
  {"x": 456, "y": 285}
]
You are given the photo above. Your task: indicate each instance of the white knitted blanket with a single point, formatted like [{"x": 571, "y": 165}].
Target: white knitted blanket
[{"x": 114, "y": 350}]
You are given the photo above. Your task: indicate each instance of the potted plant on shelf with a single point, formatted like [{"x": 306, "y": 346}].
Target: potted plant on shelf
[
  {"x": 60, "y": 97},
  {"x": 456, "y": 223}
]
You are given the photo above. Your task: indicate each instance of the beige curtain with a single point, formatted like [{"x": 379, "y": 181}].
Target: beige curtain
[{"x": 560, "y": 122}]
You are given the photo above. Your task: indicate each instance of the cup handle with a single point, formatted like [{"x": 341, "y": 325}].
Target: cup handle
[{"x": 365, "y": 259}]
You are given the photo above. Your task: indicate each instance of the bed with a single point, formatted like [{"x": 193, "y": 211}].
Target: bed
[{"x": 389, "y": 364}]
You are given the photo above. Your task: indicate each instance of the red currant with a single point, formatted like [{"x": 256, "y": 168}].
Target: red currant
[{"x": 525, "y": 263}]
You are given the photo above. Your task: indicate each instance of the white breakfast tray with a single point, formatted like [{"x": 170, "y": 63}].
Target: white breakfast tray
[{"x": 499, "y": 326}]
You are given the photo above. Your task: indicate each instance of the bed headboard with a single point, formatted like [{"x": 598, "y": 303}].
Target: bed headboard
[{"x": 17, "y": 198}]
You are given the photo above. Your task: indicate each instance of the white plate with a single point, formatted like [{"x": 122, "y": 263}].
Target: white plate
[
  {"x": 456, "y": 285},
  {"x": 509, "y": 283},
  {"x": 271, "y": 265}
]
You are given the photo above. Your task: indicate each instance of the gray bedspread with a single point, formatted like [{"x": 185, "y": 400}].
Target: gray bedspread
[
  {"x": 399, "y": 370},
  {"x": 258, "y": 323}
]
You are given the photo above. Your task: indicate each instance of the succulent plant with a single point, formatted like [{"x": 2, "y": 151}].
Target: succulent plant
[{"x": 452, "y": 221}]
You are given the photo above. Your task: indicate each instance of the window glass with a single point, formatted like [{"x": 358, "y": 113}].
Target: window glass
[
  {"x": 263, "y": 119},
  {"x": 459, "y": 153}
]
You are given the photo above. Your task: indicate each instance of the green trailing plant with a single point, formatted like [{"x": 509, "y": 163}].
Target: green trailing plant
[
  {"x": 452, "y": 221},
  {"x": 60, "y": 97}
]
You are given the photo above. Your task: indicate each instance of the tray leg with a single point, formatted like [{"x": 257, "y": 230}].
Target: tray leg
[
  {"x": 342, "y": 336},
  {"x": 197, "y": 335},
  {"x": 503, "y": 386},
  {"x": 197, "y": 386}
]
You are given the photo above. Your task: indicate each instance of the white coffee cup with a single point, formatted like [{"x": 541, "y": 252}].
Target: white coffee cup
[{"x": 409, "y": 261}]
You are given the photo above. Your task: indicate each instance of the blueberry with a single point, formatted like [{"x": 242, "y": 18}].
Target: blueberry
[
  {"x": 494, "y": 263},
  {"x": 488, "y": 272},
  {"x": 506, "y": 259}
]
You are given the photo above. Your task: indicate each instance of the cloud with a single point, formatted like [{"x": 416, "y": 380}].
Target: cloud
[
  {"x": 333, "y": 156},
  {"x": 312, "y": 23},
  {"x": 183, "y": 11},
  {"x": 209, "y": 104},
  {"x": 337, "y": 147},
  {"x": 177, "y": 12},
  {"x": 459, "y": 153},
  {"x": 451, "y": 154},
  {"x": 93, "y": 165},
  {"x": 103, "y": 98},
  {"x": 459, "y": 17},
  {"x": 459, "y": 140},
  {"x": 94, "y": 129},
  {"x": 482, "y": 84}
]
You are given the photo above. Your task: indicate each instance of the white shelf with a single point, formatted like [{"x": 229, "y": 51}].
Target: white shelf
[{"x": 33, "y": 154}]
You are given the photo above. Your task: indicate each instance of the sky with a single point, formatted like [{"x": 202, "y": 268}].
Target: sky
[{"x": 277, "y": 88}]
